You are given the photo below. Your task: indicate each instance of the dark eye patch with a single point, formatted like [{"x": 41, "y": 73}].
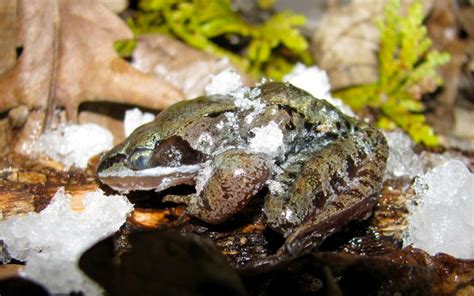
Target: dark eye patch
[{"x": 106, "y": 161}]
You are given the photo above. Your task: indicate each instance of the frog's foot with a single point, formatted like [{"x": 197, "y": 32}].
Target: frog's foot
[
  {"x": 330, "y": 220},
  {"x": 337, "y": 185},
  {"x": 236, "y": 177}
]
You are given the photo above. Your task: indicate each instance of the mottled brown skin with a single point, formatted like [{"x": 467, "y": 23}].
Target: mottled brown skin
[
  {"x": 332, "y": 170},
  {"x": 337, "y": 185},
  {"x": 237, "y": 177}
]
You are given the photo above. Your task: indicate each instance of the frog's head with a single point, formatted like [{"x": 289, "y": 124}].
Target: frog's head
[{"x": 147, "y": 160}]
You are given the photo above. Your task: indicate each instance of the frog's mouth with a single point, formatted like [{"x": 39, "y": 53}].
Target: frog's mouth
[{"x": 123, "y": 179}]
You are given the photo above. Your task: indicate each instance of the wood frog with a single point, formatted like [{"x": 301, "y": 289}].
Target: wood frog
[{"x": 322, "y": 168}]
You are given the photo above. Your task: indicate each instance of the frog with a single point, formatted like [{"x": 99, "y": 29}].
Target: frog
[{"x": 319, "y": 167}]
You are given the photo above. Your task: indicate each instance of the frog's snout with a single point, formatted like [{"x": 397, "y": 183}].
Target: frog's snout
[{"x": 108, "y": 160}]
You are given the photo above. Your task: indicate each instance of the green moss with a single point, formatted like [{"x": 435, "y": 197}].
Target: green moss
[
  {"x": 268, "y": 49},
  {"x": 125, "y": 47},
  {"x": 407, "y": 69}
]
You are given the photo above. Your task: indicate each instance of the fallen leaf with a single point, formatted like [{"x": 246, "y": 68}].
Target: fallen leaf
[
  {"x": 346, "y": 42},
  {"x": 184, "y": 67},
  {"x": 161, "y": 263},
  {"x": 187, "y": 68},
  {"x": 8, "y": 35},
  {"x": 68, "y": 58},
  {"x": 444, "y": 26},
  {"x": 13, "y": 286}
]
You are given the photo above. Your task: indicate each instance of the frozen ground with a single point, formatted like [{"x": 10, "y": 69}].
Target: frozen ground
[
  {"x": 442, "y": 214},
  {"x": 73, "y": 144},
  {"x": 51, "y": 241}
]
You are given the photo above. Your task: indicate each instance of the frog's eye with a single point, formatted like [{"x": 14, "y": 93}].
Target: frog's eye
[{"x": 140, "y": 159}]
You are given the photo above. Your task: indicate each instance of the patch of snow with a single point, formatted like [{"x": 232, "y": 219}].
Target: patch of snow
[
  {"x": 402, "y": 160},
  {"x": 205, "y": 142},
  {"x": 244, "y": 103},
  {"x": 135, "y": 118},
  {"x": 73, "y": 144},
  {"x": 228, "y": 82},
  {"x": 311, "y": 79},
  {"x": 220, "y": 125},
  {"x": 316, "y": 82},
  {"x": 60, "y": 277},
  {"x": 276, "y": 188},
  {"x": 232, "y": 121},
  {"x": 224, "y": 83},
  {"x": 52, "y": 241},
  {"x": 268, "y": 139},
  {"x": 442, "y": 219},
  {"x": 432, "y": 160}
]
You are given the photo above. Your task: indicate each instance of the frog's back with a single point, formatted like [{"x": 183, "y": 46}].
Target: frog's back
[
  {"x": 176, "y": 117},
  {"x": 315, "y": 111}
]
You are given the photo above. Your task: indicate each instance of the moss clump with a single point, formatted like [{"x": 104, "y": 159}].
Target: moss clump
[
  {"x": 407, "y": 70},
  {"x": 269, "y": 48}
]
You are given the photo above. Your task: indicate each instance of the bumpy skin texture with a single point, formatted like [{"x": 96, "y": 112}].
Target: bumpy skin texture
[
  {"x": 335, "y": 184},
  {"x": 329, "y": 171},
  {"x": 237, "y": 177}
]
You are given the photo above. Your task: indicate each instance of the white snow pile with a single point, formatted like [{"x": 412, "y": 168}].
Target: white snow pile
[
  {"x": 72, "y": 144},
  {"x": 228, "y": 83},
  {"x": 442, "y": 218},
  {"x": 268, "y": 139},
  {"x": 402, "y": 160},
  {"x": 135, "y": 118},
  {"x": 52, "y": 241},
  {"x": 224, "y": 83},
  {"x": 316, "y": 82}
]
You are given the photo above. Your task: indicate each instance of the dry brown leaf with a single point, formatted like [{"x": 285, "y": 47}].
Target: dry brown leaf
[
  {"x": 116, "y": 6},
  {"x": 68, "y": 58},
  {"x": 444, "y": 26},
  {"x": 185, "y": 67},
  {"x": 7, "y": 37},
  {"x": 346, "y": 42}
]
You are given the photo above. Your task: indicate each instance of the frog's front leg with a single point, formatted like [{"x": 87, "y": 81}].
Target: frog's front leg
[
  {"x": 336, "y": 185},
  {"x": 235, "y": 178}
]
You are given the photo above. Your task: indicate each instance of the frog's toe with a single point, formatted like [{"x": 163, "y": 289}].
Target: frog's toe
[{"x": 182, "y": 199}]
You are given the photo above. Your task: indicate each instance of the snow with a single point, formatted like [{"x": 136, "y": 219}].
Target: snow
[
  {"x": 276, "y": 188},
  {"x": 311, "y": 79},
  {"x": 442, "y": 219},
  {"x": 402, "y": 160},
  {"x": 268, "y": 139},
  {"x": 60, "y": 277},
  {"x": 224, "y": 83},
  {"x": 135, "y": 118},
  {"x": 52, "y": 241},
  {"x": 72, "y": 144},
  {"x": 316, "y": 82},
  {"x": 205, "y": 142}
]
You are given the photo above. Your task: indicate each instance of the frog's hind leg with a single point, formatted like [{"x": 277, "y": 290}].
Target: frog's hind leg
[
  {"x": 235, "y": 178},
  {"x": 338, "y": 184}
]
